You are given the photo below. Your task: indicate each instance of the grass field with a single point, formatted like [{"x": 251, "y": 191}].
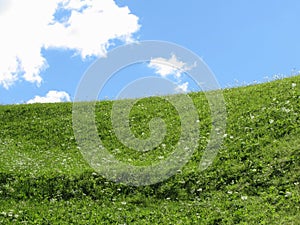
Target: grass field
[{"x": 255, "y": 178}]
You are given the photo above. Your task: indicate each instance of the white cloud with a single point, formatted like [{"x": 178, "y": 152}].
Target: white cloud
[
  {"x": 51, "y": 96},
  {"x": 172, "y": 66},
  {"x": 28, "y": 26},
  {"x": 182, "y": 88}
]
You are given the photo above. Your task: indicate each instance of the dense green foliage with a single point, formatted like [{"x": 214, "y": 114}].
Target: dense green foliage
[{"x": 255, "y": 178}]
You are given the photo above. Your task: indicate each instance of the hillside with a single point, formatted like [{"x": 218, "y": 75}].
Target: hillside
[{"x": 255, "y": 178}]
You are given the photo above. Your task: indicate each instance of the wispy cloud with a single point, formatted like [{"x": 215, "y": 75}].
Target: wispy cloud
[
  {"x": 182, "y": 88},
  {"x": 171, "y": 67},
  {"x": 88, "y": 28},
  {"x": 51, "y": 96}
]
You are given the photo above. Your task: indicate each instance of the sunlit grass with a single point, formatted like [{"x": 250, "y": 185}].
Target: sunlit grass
[{"x": 254, "y": 179}]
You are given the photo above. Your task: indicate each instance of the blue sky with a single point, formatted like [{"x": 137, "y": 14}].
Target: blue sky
[{"x": 45, "y": 52}]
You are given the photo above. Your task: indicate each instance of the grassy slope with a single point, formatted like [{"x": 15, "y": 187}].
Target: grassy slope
[{"x": 254, "y": 179}]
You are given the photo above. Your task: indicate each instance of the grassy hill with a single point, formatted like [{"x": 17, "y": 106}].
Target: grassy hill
[{"x": 255, "y": 178}]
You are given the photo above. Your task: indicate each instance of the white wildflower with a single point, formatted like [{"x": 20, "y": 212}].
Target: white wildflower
[
  {"x": 244, "y": 198},
  {"x": 285, "y": 110},
  {"x": 294, "y": 85},
  {"x": 288, "y": 194}
]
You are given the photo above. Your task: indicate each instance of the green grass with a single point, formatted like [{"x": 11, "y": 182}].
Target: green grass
[{"x": 255, "y": 178}]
